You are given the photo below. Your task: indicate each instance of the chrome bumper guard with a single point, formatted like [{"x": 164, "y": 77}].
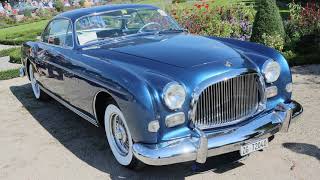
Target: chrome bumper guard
[
  {"x": 207, "y": 144},
  {"x": 22, "y": 71}
]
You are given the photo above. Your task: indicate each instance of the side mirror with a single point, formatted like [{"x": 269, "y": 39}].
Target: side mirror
[
  {"x": 54, "y": 40},
  {"x": 51, "y": 40},
  {"x": 34, "y": 50}
]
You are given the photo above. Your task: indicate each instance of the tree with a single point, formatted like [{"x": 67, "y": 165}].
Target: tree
[{"x": 268, "y": 21}]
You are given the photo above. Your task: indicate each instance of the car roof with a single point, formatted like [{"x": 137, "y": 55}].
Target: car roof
[{"x": 75, "y": 14}]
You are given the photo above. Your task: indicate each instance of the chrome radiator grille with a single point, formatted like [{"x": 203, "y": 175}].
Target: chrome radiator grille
[{"x": 228, "y": 102}]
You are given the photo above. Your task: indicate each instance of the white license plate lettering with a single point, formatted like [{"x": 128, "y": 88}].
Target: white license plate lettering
[{"x": 252, "y": 147}]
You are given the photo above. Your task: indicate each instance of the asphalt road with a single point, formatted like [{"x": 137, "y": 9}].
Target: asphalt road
[{"x": 44, "y": 140}]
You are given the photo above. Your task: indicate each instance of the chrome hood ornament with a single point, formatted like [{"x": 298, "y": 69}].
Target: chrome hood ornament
[{"x": 228, "y": 64}]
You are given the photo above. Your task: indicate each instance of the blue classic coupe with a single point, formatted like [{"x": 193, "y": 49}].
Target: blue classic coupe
[{"x": 164, "y": 96}]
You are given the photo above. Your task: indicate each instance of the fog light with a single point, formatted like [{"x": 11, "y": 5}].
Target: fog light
[
  {"x": 289, "y": 87},
  {"x": 175, "y": 119},
  {"x": 153, "y": 126},
  {"x": 271, "y": 91}
]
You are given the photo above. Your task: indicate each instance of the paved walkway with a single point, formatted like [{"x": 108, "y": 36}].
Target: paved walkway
[
  {"x": 4, "y": 61},
  {"x": 6, "y": 47},
  {"x": 6, "y": 65}
]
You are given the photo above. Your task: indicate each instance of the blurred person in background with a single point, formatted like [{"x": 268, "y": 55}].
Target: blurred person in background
[
  {"x": 1, "y": 8},
  {"x": 66, "y": 3}
]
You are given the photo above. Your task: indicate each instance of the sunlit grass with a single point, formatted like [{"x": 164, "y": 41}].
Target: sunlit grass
[{"x": 18, "y": 34}]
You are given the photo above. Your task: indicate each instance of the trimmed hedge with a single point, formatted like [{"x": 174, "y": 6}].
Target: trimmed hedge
[{"x": 268, "y": 21}]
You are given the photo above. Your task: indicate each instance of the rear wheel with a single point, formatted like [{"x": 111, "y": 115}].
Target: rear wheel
[
  {"x": 38, "y": 93},
  {"x": 119, "y": 137}
]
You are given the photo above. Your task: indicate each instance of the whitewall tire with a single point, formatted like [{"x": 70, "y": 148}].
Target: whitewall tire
[{"x": 119, "y": 137}]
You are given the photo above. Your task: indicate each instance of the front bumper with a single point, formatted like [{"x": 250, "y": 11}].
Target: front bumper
[
  {"x": 22, "y": 71},
  {"x": 207, "y": 144}
]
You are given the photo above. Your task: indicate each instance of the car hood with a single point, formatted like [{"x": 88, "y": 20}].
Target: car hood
[{"x": 181, "y": 50}]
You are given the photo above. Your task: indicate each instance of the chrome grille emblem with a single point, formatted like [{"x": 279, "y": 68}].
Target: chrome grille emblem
[{"x": 228, "y": 64}]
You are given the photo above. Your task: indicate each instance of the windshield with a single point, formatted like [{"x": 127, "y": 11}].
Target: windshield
[{"x": 122, "y": 23}]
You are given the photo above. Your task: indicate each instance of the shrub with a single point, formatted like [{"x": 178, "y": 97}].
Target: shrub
[
  {"x": 275, "y": 41},
  {"x": 27, "y": 13},
  {"x": 178, "y": 1},
  {"x": 44, "y": 13},
  {"x": 206, "y": 19},
  {"x": 59, "y": 5},
  {"x": 267, "y": 21},
  {"x": 303, "y": 28},
  {"x": 81, "y": 3}
]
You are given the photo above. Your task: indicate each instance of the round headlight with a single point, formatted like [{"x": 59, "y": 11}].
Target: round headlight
[
  {"x": 271, "y": 70},
  {"x": 174, "y": 95}
]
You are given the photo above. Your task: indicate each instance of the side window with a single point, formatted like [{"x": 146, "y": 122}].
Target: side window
[
  {"x": 69, "y": 40},
  {"x": 58, "y": 32},
  {"x": 135, "y": 22},
  {"x": 46, "y": 32}
]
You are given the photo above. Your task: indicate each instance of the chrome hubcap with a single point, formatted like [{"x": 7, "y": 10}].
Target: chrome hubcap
[{"x": 119, "y": 134}]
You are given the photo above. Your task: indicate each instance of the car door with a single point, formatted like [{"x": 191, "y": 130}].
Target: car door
[{"x": 54, "y": 54}]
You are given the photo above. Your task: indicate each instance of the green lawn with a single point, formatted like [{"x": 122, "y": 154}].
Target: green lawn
[
  {"x": 9, "y": 74},
  {"x": 4, "y": 25},
  {"x": 18, "y": 34}
]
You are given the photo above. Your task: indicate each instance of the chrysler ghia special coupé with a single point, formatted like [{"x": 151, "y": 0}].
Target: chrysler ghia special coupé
[{"x": 163, "y": 96}]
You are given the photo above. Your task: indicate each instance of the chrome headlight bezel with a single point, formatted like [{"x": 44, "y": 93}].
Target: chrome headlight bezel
[
  {"x": 172, "y": 90},
  {"x": 271, "y": 70}
]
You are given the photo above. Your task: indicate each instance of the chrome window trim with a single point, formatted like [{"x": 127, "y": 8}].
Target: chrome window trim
[
  {"x": 198, "y": 90},
  {"x": 53, "y": 45}
]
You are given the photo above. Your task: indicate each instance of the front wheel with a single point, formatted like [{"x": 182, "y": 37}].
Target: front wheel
[{"x": 119, "y": 137}]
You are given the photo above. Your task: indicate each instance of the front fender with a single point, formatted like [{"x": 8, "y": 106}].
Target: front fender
[
  {"x": 120, "y": 80},
  {"x": 147, "y": 104},
  {"x": 136, "y": 102}
]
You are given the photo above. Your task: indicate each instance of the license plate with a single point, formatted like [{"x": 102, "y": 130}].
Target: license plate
[{"x": 252, "y": 147}]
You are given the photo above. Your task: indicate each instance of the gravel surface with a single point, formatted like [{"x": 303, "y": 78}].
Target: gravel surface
[
  {"x": 44, "y": 140},
  {"x": 5, "y": 46}
]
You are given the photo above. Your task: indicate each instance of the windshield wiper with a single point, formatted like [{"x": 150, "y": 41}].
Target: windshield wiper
[{"x": 171, "y": 31}]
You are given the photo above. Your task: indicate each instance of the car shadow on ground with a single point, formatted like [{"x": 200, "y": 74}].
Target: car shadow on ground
[
  {"x": 303, "y": 148},
  {"x": 88, "y": 143}
]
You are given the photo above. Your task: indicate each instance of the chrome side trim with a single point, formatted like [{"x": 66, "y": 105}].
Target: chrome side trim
[{"x": 84, "y": 116}]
